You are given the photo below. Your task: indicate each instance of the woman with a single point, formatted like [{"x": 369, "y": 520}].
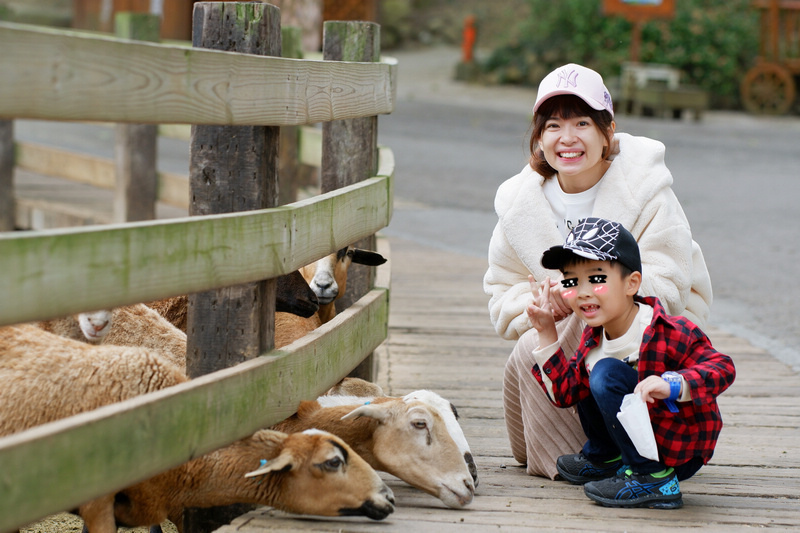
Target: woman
[{"x": 579, "y": 168}]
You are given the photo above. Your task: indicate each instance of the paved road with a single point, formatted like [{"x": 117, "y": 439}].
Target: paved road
[{"x": 737, "y": 176}]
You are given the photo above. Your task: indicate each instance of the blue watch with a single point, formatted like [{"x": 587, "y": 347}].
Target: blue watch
[{"x": 674, "y": 379}]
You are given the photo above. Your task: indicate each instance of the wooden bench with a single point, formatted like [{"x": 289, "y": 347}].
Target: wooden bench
[
  {"x": 659, "y": 100},
  {"x": 653, "y": 88}
]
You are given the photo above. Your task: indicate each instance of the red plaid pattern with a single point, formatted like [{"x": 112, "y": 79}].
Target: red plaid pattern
[{"x": 669, "y": 343}]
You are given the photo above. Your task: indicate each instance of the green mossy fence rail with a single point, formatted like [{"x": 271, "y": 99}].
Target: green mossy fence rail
[{"x": 64, "y": 75}]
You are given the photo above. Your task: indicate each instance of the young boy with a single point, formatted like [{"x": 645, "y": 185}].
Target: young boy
[{"x": 629, "y": 345}]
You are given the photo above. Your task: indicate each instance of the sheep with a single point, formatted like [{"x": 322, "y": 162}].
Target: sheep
[
  {"x": 38, "y": 366},
  {"x": 130, "y": 325},
  {"x": 293, "y": 296},
  {"x": 312, "y": 472},
  {"x": 92, "y": 326},
  {"x": 349, "y": 386},
  {"x": 35, "y": 362},
  {"x": 406, "y": 438},
  {"x": 327, "y": 277},
  {"x": 35, "y": 365},
  {"x": 173, "y": 309}
]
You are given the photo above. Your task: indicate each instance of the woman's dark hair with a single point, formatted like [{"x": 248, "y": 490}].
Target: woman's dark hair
[{"x": 564, "y": 106}]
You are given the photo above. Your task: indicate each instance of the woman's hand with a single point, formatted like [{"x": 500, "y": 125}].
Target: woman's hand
[{"x": 540, "y": 312}]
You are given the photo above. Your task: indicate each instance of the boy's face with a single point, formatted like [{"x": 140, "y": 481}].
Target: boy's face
[{"x": 599, "y": 294}]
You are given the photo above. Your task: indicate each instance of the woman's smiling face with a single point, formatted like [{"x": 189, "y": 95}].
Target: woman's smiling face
[{"x": 575, "y": 148}]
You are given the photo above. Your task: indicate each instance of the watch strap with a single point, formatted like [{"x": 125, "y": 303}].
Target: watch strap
[{"x": 674, "y": 379}]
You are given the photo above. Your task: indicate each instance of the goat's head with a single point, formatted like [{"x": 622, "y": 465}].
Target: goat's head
[
  {"x": 412, "y": 442},
  {"x": 317, "y": 473},
  {"x": 327, "y": 277},
  {"x": 450, "y": 416}
]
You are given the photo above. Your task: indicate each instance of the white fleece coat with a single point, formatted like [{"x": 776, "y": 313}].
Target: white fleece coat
[{"x": 635, "y": 191}]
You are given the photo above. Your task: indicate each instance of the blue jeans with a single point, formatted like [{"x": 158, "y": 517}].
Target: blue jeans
[{"x": 609, "y": 382}]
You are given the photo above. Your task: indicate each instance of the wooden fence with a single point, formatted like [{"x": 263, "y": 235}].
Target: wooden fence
[{"x": 62, "y": 75}]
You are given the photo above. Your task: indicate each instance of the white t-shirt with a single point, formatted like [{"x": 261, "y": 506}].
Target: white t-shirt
[{"x": 568, "y": 209}]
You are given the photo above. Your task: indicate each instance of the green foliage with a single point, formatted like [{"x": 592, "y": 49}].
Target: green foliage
[{"x": 713, "y": 42}]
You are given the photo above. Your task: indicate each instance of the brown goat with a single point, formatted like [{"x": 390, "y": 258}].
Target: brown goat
[
  {"x": 327, "y": 277},
  {"x": 313, "y": 472}
]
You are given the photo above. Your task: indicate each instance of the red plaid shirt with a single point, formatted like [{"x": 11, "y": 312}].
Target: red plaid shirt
[{"x": 669, "y": 343}]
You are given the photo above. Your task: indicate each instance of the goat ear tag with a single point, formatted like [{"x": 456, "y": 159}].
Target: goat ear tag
[{"x": 274, "y": 465}]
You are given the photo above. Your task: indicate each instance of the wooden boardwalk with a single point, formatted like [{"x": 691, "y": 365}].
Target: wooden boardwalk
[{"x": 440, "y": 338}]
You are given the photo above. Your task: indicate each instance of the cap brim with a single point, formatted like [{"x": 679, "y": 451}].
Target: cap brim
[{"x": 594, "y": 104}]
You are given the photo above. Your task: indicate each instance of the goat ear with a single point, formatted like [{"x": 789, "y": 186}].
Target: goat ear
[
  {"x": 369, "y": 410},
  {"x": 366, "y": 257},
  {"x": 283, "y": 462}
]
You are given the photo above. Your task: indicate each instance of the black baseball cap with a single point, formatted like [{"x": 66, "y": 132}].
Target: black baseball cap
[{"x": 598, "y": 239}]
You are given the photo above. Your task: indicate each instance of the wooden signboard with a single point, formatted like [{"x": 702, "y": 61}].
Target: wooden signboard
[{"x": 639, "y": 10}]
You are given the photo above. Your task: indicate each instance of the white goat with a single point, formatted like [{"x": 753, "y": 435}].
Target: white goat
[
  {"x": 406, "y": 438},
  {"x": 449, "y": 414},
  {"x": 40, "y": 371},
  {"x": 366, "y": 390}
]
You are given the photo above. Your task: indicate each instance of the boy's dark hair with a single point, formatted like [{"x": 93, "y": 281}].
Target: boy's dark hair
[
  {"x": 564, "y": 106},
  {"x": 575, "y": 259}
]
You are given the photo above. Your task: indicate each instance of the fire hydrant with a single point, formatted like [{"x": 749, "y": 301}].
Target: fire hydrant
[{"x": 468, "y": 42}]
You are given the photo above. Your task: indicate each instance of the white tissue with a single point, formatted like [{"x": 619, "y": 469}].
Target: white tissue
[{"x": 635, "y": 418}]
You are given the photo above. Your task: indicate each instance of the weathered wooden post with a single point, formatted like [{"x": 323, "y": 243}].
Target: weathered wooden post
[
  {"x": 135, "y": 157},
  {"x": 7, "y": 203},
  {"x": 291, "y": 46},
  {"x": 350, "y": 147},
  {"x": 232, "y": 168}
]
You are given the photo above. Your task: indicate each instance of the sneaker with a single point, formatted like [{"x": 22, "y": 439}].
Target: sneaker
[
  {"x": 577, "y": 469},
  {"x": 656, "y": 491}
]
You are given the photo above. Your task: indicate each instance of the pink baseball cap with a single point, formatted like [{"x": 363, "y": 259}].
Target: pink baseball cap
[{"x": 583, "y": 82}]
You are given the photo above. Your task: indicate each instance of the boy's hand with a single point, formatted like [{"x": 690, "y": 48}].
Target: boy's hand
[
  {"x": 540, "y": 313},
  {"x": 652, "y": 388},
  {"x": 561, "y": 308}
]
